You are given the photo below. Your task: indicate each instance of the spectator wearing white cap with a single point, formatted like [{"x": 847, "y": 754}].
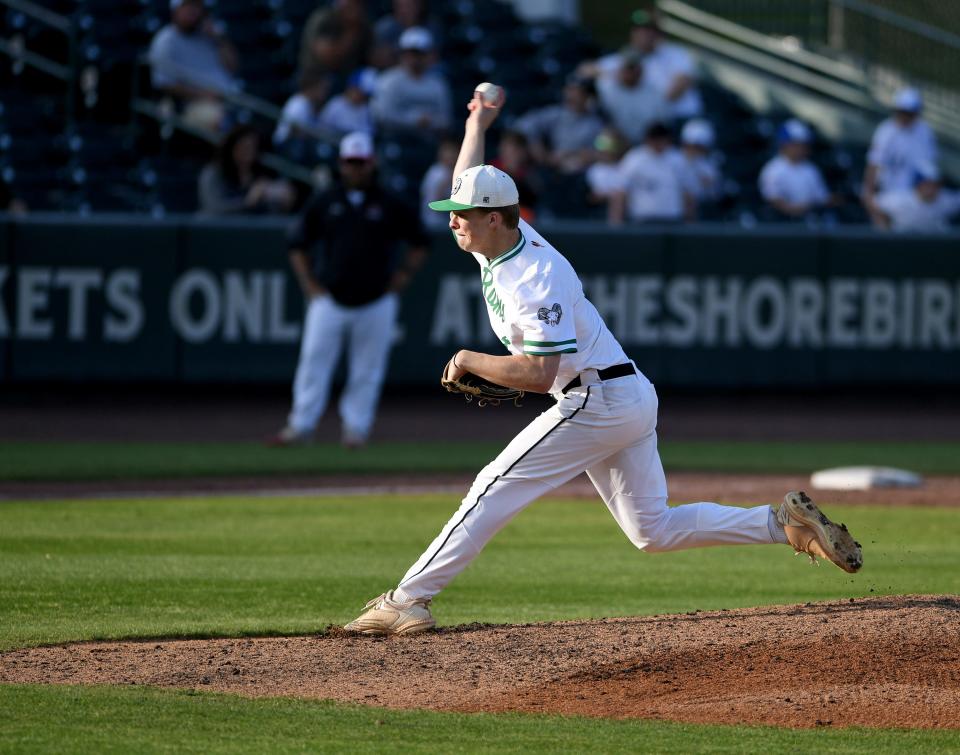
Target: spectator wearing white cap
[
  {"x": 925, "y": 208},
  {"x": 651, "y": 183},
  {"x": 191, "y": 59},
  {"x": 403, "y": 15},
  {"x": 343, "y": 251},
  {"x": 790, "y": 183},
  {"x": 410, "y": 96},
  {"x": 699, "y": 172},
  {"x": 350, "y": 110},
  {"x": 900, "y": 143}
]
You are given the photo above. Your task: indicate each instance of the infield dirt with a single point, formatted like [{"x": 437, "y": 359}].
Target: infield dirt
[{"x": 878, "y": 662}]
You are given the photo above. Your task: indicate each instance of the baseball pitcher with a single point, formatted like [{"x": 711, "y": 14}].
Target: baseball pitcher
[{"x": 603, "y": 423}]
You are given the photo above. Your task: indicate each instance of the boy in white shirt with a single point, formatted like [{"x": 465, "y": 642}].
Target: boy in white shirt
[
  {"x": 652, "y": 182},
  {"x": 790, "y": 182},
  {"x": 902, "y": 142},
  {"x": 350, "y": 112}
]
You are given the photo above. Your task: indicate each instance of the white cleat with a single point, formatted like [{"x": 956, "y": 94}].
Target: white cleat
[{"x": 384, "y": 615}]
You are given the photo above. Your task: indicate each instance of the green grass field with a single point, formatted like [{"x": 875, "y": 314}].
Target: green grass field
[
  {"x": 233, "y": 566},
  {"x": 97, "y": 461}
]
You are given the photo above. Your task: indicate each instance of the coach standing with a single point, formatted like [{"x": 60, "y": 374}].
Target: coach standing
[{"x": 344, "y": 253}]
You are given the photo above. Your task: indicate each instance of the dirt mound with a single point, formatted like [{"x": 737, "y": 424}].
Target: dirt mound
[{"x": 887, "y": 662}]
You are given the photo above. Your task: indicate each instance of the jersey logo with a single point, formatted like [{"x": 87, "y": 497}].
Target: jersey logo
[
  {"x": 494, "y": 302},
  {"x": 535, "y": 243},
  {"x": 550, "y": 316}
]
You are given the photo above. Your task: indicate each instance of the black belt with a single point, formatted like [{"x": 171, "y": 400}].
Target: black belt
[{"x": 608, "y": 373}]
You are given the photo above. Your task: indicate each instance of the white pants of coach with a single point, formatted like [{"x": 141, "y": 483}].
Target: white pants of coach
[
  {"x": 367, "y": 332},
  {"x": 608, "y": 430}
]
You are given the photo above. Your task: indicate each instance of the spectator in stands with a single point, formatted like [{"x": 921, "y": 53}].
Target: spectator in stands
[
  {"x": 926, "y": 207},
  {"x": 405, "y": 14},
  {"x": 698, "y": 167},
  {"x": 790, "y": 183},
  {"x": 603, "y": 177},
  {"x": 561, "y": 136},
  {"x": 437, "y": 181},
  {"x": 668, "y": 67},
  {"x": 336, "y": 38},
  {"x": 899, "y": 144},
  {"x": 300, "y": 121},
  {"x": 651, "y": 182},
  {"x": 235, "y": 183},
  {"x": 409, "y": 96},
  {"x": 628, "y": 98},
  {"x": 514, "y": 159},
  {"x": 350, "y": 111},
  {"x": 191, "y": 59}
]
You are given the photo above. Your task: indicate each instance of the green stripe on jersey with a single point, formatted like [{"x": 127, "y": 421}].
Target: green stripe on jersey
[
  {"x": 550, "y": 353},
  {"x": 510, "y": 253},
  {"x": 549, "y": 343}
]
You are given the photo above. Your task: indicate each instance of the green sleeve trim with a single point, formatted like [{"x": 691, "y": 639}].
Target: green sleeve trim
[
  {"x": 550, "y": 353},
  {"x": 549, "y": 343}
]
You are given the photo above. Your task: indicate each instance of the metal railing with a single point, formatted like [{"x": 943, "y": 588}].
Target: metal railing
[
  {"x": 761, "y": 51},
  {"x": 15, "y": 48},
  {"x": 830, "y": 47}
]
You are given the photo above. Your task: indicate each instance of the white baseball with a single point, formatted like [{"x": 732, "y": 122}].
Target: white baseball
[{"x": 491, "y": 94}]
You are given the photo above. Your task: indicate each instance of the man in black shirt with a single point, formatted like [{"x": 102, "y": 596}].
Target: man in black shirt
[{"x": 343, "y": 251}]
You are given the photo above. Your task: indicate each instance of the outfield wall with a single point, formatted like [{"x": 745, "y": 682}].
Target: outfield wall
[{"x": 190, "y": 301}]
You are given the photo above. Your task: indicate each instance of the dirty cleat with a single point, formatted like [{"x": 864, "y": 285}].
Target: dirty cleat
[
  {"x": 384, "y": 615},
  {"x": 809, "y": 531}
]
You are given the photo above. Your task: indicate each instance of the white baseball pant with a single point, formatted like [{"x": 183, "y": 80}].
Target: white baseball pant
[
  {"x": 368, "y": 333},
  {"x": 607, "y": 429}
]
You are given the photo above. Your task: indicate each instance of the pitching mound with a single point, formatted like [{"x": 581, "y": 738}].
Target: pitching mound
[{"x": 883, "y": 662}]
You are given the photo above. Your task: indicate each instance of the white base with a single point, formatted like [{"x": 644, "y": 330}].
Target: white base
[{"x": 864, "y": 478}]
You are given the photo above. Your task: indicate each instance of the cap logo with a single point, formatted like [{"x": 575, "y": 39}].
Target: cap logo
[
  {"x": 456, "y": 186},
  {"x": 486, "y": 200}
]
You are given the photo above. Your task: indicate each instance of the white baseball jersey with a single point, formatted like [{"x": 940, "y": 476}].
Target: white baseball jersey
[
  {"x": 536, "y": 305},
  {"x": 908, "y": 212},
  {"x": 796, "y": 183},
  {"x": 895, "y": 151},
  {"x": 606, "y": 428}
]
